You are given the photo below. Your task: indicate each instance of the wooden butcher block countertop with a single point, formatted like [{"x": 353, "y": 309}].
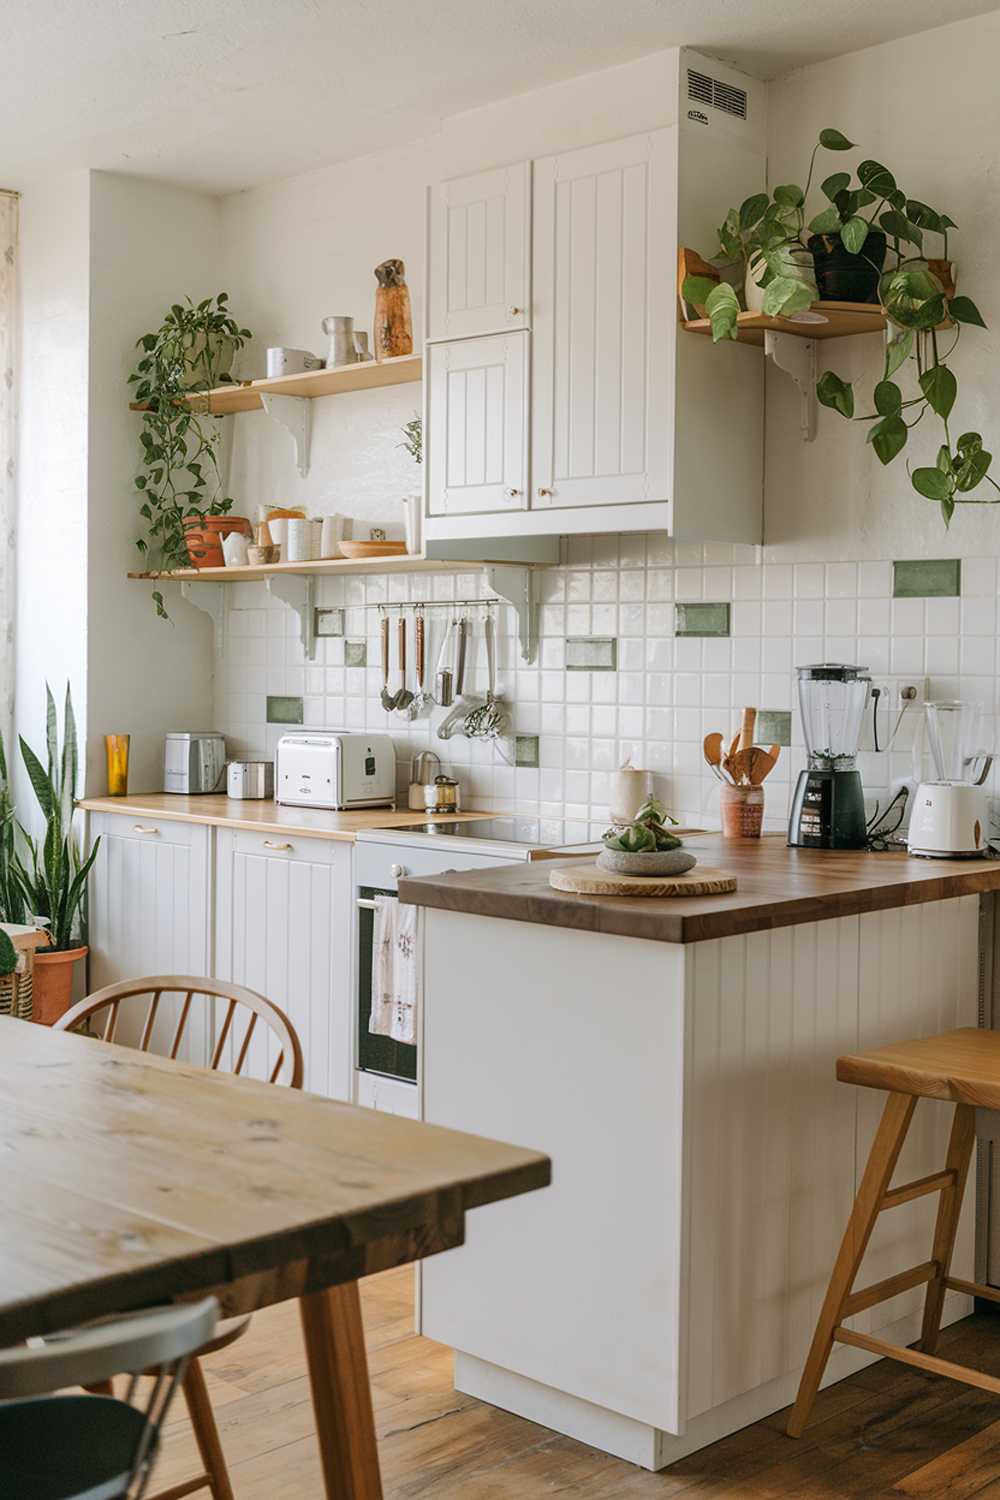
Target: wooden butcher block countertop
[
  {"x": 264, "y": 816},
  {"x": 777, "y": 887}
]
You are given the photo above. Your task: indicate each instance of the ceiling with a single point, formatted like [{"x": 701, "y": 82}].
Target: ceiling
[{"x": 226, "y": 94}]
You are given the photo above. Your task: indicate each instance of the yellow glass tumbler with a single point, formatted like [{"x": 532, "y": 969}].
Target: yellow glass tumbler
[{"x": 116, "y": 748}]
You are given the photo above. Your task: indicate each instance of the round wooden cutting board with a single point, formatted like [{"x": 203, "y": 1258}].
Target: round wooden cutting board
[{"x": 588, "y": 880}]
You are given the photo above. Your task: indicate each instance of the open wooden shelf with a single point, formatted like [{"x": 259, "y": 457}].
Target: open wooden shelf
[
  {"x": 839, "y": 320},
  {"x": 336, "y": 381},
  {"x": 330, "y": 567}
]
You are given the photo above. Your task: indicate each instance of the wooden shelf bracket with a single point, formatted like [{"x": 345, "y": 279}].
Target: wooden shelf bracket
[
  {"x": 518, "y": 587},
  {"x": 211, "y": 599},
  {"x": 294, "y": 414},
  {"x": 797, "y": 357},
  {"x": 298, "y": 591}
]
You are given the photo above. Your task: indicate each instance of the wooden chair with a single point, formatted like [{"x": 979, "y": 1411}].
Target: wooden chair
[
  {"x": 963, "y": 1067},
  {"x": 228, "y": 1045}
]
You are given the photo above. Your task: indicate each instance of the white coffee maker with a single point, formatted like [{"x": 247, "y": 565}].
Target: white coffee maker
[{"x": 950, "y": 816}]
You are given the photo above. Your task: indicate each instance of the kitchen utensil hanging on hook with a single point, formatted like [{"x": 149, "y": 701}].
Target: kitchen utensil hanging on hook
[
  {"x": 449, "y": 724},
  {"x": 489, "y": 719},
  {"x": 404, "y": 697},
  {"x": 387, "y": 699},
  {"x": 422, "y": 701}
]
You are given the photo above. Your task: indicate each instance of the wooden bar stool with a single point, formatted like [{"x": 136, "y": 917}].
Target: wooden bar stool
[{"x": 963, "y": 1067}]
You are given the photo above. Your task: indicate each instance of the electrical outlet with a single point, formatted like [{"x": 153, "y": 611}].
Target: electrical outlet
[{"x": 895, "y": 709}]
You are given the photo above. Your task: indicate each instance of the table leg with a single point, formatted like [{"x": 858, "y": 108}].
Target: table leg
[{"x": 342, "y": 1401}]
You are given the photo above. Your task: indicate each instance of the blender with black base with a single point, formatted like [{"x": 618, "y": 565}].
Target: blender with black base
[{"x": 828, "y": 809}]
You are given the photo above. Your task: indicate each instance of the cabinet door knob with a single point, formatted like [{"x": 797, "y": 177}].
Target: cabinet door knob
[
  {"x": 512, "y": 493},
  {"x": 542, "y": 491},
  {"x": 516, "y": 312},
  {"x": 396, "y": 871},
  {"x": 269, "y": 845},
  {"x": 141, "y": 828}
]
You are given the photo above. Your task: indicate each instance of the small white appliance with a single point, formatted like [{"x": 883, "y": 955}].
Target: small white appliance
[
  {"x": 194, "y": 762},
  {"x": 250, "y": 780},
  {"x": 950, "y": 817},
  {"x": 335, "y": 769}
]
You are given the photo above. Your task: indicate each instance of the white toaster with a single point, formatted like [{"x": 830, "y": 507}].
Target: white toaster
[{"x": 333, "y": 768}]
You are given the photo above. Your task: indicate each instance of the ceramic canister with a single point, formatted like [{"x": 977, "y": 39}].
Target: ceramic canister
[
  {"x": 282, "y": 361},
  {"x": 331, "y": 533},
  {"x": 302, "y": 540}
]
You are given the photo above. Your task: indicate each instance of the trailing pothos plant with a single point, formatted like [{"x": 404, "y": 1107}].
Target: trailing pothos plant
[
  {"x": 768, "y": 228},
  {"x": 916, "y": 292},
  {"x": 181, "y": 478},
  {"x": 925, "y": 321}
]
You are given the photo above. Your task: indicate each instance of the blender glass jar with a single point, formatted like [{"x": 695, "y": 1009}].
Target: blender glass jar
[{"x": 832, "y": 700}]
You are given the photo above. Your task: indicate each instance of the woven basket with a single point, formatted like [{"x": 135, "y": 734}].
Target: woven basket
[{"x": 15, "y": 993}]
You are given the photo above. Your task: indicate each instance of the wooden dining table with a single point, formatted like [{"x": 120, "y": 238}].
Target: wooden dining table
[{"x": 127, "y": 1179}]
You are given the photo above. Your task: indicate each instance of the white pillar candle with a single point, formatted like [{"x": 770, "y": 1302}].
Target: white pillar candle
[{"x": 629, "y": 789}]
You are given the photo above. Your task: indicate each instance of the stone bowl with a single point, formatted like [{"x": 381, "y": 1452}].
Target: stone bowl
[{"x": 648, "y": 862}]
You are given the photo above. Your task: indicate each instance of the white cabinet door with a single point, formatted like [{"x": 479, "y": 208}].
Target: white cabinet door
[
  {"x": 284, "y": 921},
  {"x": 478, "y": 424},
  {"x": 479, "y": 278},
  {"x": 151, "y": 911},
  {"x": 604, "y": 237}
]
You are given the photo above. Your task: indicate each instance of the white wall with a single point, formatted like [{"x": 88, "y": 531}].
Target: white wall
[
  {"x": 102, "y": 257},
  {"x": 927, "y": 106},
  {"x": 51, "y": 559},
  {"x": 150, "y": 245}
]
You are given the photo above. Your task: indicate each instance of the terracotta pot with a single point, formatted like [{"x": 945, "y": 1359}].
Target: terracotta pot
[
  {"x": 204, "y": 538},
  {"x": 52, "y": 983}
]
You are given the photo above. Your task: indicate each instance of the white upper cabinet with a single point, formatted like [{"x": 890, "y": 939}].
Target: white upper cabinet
[
  {"x": 480, "y": 273},
  {"x": 633, "y": 424},
  {"x": 478, "y": 424},
  {"x": 605, "y": 237}
]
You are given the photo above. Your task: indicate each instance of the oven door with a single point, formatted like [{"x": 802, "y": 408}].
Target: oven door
[{"x": 376, "y": 1054}]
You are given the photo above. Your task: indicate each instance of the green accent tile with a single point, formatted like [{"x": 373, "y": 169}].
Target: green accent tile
[
  {"x": 701, "y": 619},
  {"x": 355, "y": 653},
  {"x": 284, "y": 710},
  {"x": 526, "y": 750},
  {"x": 774, "y": 727},
  {"x": 937, "y": 578},
  {"x": 329, "y": 622},
  {"x": 591, "y": 653}
]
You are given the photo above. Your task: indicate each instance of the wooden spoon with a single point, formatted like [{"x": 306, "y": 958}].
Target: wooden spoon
[
  {"x": 762, "y": 763},
  {"x": 712, "y": 746}
]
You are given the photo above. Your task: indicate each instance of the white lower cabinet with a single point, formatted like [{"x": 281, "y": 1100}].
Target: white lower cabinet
[
  {"x": 151, "y": 908},
  {"x": 272, "y": 913},
  {"x": 283, "y": 927}
]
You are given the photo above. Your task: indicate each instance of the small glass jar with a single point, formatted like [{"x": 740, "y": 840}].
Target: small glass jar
[
  {"x": 742, "y": 809},
  {"x": 116, "y": 750}
]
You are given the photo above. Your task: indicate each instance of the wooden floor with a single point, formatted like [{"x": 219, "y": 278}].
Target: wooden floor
[{"x": 887, "y": 1432}]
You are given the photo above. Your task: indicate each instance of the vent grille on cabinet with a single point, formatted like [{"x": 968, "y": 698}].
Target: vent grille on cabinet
[{"x": 732, "y": 101}]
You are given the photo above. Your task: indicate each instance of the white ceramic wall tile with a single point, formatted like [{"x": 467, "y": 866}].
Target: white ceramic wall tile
[{"x": 668, "y": 691}]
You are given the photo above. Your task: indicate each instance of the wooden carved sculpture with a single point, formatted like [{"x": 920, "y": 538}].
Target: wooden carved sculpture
[{"x": 393, "y": 325}]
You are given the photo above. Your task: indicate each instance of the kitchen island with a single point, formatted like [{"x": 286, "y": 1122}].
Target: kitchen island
[{"x": 676, "y": 1060}]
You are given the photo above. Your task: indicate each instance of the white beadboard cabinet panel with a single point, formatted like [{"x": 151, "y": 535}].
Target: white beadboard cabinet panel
[
  {"x": 605, "y": 241},
  {"x": 283, "y": 927},
  {"x": 770, "y": 1149},
  {"x": 151, "y": 913},
  {"x": 577, "y": 1286},
  {"x": 919, "y": 975},
  {"x": 479, "y": 278},
  {"x": 478, "y": 428}
]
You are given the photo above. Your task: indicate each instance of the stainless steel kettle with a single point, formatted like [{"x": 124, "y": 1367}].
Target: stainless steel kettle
[{"x": 423, "y": 769}]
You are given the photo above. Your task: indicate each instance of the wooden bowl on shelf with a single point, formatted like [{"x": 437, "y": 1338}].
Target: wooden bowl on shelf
[{"x": 361, "y": 550}]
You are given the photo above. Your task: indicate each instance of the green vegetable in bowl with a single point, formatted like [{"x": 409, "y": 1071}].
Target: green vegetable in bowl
[{"x": 646, "y": 834}]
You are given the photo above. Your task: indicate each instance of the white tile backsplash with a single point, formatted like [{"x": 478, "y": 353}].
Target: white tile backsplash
[{"x": 667, "y": 692}]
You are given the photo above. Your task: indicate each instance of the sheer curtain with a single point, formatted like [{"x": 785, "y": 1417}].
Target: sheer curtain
[{"x": 8, "y": 448}]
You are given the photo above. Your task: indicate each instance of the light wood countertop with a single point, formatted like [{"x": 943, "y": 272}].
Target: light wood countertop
[
  {"x": 264, "y": 816},
  {"x": 777, "y": 887}
]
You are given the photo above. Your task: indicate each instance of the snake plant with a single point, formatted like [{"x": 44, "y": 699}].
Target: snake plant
[{"x": 54, "y": 875}]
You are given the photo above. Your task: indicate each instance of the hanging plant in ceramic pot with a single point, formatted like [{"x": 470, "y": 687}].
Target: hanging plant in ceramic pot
[
  {"x": 865, "y": 223},
  {"x": 925, "y": 321},
  {"x": 180, "y": 488}
]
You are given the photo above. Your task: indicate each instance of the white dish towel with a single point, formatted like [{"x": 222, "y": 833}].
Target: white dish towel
[{"x": 395, "y": 971}]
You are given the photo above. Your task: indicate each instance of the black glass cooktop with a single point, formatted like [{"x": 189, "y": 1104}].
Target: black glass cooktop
[{"x": 492, "y": 830}]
